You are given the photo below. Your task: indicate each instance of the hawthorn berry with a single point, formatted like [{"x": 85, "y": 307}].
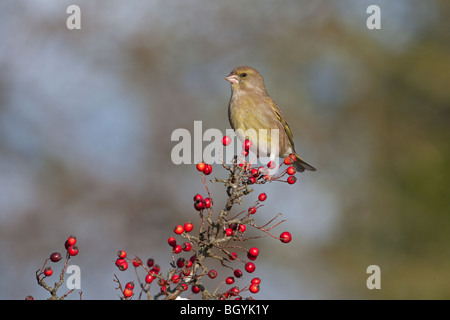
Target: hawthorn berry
[
  {"x": 55, "y": 256},
  {"x": 242, "y": 228},
  {"x": 188, "y": 226},
  {"x": 121, "y": 264},
  {"x": 250, "y": 257},
  {"x": 271, "y": 165},
  {"x": 207, "y": 202},
  {"x": 256, "y": 280},
  {"x": 288, "y": 161},
  {"x": 291, "y": 179},
  {"x": 212, "y": 274},
  {"x": 238, "y": 273},
  {"x": 127, "y": 293},
  {"x": 255, "y": 172},
  {"x": 198, "y": 197},
  {"x": 195, "y": 289},
  {"x": 172, "y": 241},
  {"x": 137, "y": 262},
  {"x": 207, "y": 170},
  {"x": 177, "y": 249},
  {"x": 262, "y": 197},
  {"x": 229, "y": 280},
  {"x": 254, "y": 288},
  {"x": 73, "y": 250},
  {"x": 175, "y": 278},
  {"x": 121, "y": 254},
  {"x": 252, "y": 210},
  {"x": 186, "y": 246},
  {"x": 71, "y": 240},
  {"x": 285, "y": 237},
  {"x": 200, "y": 205},
  {"x": 250, "y": 267},
  {"x": 228, "y": 232},
  {"x": 183, "y": 286},
  {"x": 149, "y": 278},
  {"x": 178, "y": 229},
  {"x": 251, "y": 180},
  {"x": 253, "y": 251},
  {"x": 247, "y": 145},
  {"x": 129, "y": 285},
  {"x": 201, "y": 166},
  {"x": 180, "y": 262},
  {"x": 291, "y": 170},
  {"x": 150, "y": 262},
  {"x": 233, "y": 256},
  {"x": 48, "y": 271},
  {"x": 226, "y": 140}
]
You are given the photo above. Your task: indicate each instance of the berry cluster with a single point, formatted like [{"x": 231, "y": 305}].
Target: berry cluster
[
  {"x": 44, "y": 272},
  {"x": 218, "y": 236}
]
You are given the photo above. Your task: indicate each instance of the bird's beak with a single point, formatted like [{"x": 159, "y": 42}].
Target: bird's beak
[{"x": 232, "y": 78}]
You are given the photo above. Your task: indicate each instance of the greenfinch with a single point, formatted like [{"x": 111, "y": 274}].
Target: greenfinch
[{"x": 251, "y": 109}]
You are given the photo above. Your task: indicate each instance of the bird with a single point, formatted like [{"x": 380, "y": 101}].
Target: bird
[{"x": 251, "y": 108}]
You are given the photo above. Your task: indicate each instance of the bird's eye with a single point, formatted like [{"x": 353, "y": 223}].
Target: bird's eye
[{"x": 243, "y": 75}]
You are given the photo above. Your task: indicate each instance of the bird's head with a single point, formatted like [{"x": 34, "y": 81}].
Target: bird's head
[{"x": 244, "y": 78}]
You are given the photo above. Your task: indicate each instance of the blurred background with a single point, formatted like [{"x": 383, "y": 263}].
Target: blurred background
[{"x": 86, "y": 118}]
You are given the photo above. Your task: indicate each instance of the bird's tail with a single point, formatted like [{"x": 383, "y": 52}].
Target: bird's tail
[{"x": 301, "y": 165}]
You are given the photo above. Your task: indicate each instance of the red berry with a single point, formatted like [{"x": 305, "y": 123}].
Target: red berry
[
  {"x": 178, "y": 229},
  {"x": 180, "y": 262},
  {"x": 73, "y": 250},
  {"x": 291, "y": 170},
  {"x": 253, "y": 251},
  {"x": 262, "y": 197},
  {"x": 291, "y": 179},
  {"x": 149, "y": 278},
  {"x": 251, "y": 180},
  {"x": 150, "y": 262},
  {"x": 250, "y": 267},
  {"x": 72, "y": 240},
  {"x": 201, "y": 166},
  {"x": 252, "y": 210},
  {"x": 238, "y": 273},
  {"x": 55, "y": 256},
  {"x": 200, "y": 205},
  {"x": 229, "y": 280},
  {"x": 198, "y": 197},
  {"x": 186, "y": 246},
  {"x": 207, "y": 202},
  {"x": 247, "y": 145},
  {"x": 137, "y": 262},
  {"x": 271, "y": 165},
  {"x": 177, "y": 249},
  {"x": 207, "y": 170},
  {"x": 212, "y": 274},
  {"x": 233, "y": 256},
  {"x": 228, "y": 232},
  {"x": 172, "y": 241},
  {"x": 121, "y": 264},
  {"x": 183, "y": 286},
  {"x": 121, "y": 254},
  {"x": 129, "y": 285},
  {"x": 242, "y": 227},
  {"x": 288, "y": 161},
  {"x": 256, "y": 281},
  {"x": 195, "y": 289},
  {"x": 254, "y": 288},
  {"x": 188, "y": 226},
  {"x": 127, "y": 293},
  {"x": 234, "y": 291},
  {"x": 48, "y": 271},
  {"x": 226, "y": 140},
  {"x": 176, "y": 278},
  {"x": 255, "y": 172},
  {"x": 285, "y": 237}
]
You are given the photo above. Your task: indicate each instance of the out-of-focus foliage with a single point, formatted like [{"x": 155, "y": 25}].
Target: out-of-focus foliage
[{"x": 86, "y": 118}]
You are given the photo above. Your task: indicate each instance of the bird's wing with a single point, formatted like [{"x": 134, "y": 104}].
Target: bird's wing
[{"x": 280, "y": 118}]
